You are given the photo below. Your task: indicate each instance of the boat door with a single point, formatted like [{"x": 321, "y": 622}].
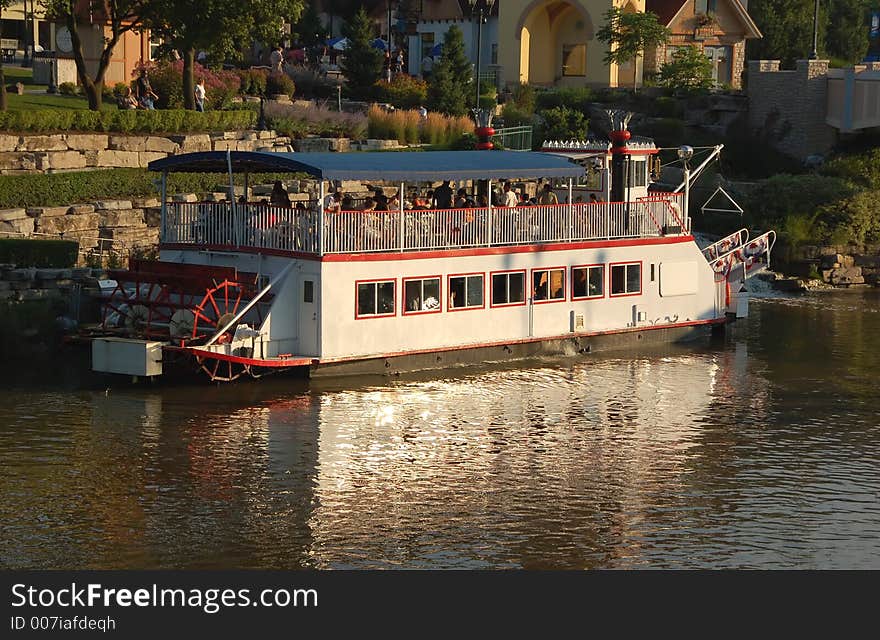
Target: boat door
[{"x": 308, "y": 315}]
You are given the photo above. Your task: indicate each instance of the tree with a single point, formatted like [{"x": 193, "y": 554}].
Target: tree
[
  {"x": 362, "y": 63},
  {"x": 562, "y": 123},
  {"x": 690, "y": 69},
  {"x": 216, "y": 26},
  {"x": 450, "y": 82},
  {"x": 847, "y": 33},
  {"x": 787, "y": 28},
  {"x": 117, "y": 17},
  {"x": 309, "y": 29},
  {"x": 627, "y": 35},
  {"x": 3, "y": 4}
]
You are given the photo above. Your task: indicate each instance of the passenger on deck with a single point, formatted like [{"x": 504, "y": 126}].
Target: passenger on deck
[
  {"x": 510, "y": 199},
  {"x": 347, "y": 203},
  {"x": 461, "y": 199},
  {"x": 279, "y": 197},
  {"x": 443, "y": 196},
  {"x": 369, "y": 205},
  {"x": 547, "y": 196},
  {"x": 333, "y": 202}
]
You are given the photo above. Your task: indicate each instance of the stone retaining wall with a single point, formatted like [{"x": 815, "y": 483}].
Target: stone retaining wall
[
  {"x": 837, "y": 265},
  {"x": 59, "y": 152}
]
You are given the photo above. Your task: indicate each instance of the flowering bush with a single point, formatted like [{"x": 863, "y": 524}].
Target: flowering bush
[
  {"x": 278, "y": 83},
  {"x": 166, "y": 78},
  {"x": 297, "y": 122}
]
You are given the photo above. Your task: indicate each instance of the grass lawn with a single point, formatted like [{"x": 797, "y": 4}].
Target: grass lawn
[
  {"x": 15, "y": 73},
  {"x": 31, "y": 101}
]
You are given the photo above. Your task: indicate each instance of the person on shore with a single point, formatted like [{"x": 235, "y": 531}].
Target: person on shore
[
  {"x": 547, "y": 196},
  {"x": 276, "y": 59},
  {"x": 146, "y": 96},
  {"x": 199, "y": 95},
  {"x": 423, "y": 113},
  {"x": 128, "y": 101}
]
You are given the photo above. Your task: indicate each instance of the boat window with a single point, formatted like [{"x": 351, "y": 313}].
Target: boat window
[
  {"x": 626, "y": 279},
  {"x": 375, "y": 299},
  {"x": 548, "y": 284},
  {"x": 638, "y": 172},
  {"x": 466, "y": 291},
  {"x": 421, "y": 295},
  {"x": 587, "y": 281},
  {"x": 508, "y": 288}
]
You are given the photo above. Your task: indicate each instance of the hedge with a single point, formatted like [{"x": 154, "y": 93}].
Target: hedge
[
  {"x": 134, "y": 121},
  {"x": 58, "y": 254},
  {"x": 46, "y": 190}
]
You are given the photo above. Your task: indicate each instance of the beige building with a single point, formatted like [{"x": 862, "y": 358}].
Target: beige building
[{"x": 553, "y": 42}]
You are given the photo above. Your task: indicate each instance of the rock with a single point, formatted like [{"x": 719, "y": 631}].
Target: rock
[
  {"x": 64, "y": 224},
  {"x": 18, "y": 226},
  {"x": 161, "y": 145},
  {"x": 128, "y": 143},
  {"x": 112, "y": 205},
  {"x": 153, "y": 216},
  {"x": 791, "y": 285},
  {"x": 15, "y": 161},
  {"x": 87, "y": 141},
  {"x": 47, "y": 212},
  {"x": 118, "y": 159},
  {"x": 311, "y": 145},
  {"x": 143, "y": 203},
  {"x": 8, "y": 142},
  {"x": 867, "y": 261},
  {"x": 847, "y": 275},
  {"x": 61, "y": 160},
  {"x": 193, "y": 142},
  {"x": 184, "y": 197},
  {"x": 146, "y": 157},
  {"x": 340, "y": 145},
  {"x": 123, "y": 218},
  {"x": 7, "y": 215},
  {"x": 77, "y": 209},
  {"x": 54, "y": 142},
  {"x": 266, "y": 135}
]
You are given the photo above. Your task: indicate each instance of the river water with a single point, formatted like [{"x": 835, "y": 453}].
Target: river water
[{"x": 758, "y": 450}]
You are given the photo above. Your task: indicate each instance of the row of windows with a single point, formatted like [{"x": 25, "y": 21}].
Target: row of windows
[{"x": 508, "y": 288}]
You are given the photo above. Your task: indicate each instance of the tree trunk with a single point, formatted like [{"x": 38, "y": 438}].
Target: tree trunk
[
  {"x": 93, "y": 93},
  {"x": 189, "y": 85},
  {"x": 3, "y": 104}
]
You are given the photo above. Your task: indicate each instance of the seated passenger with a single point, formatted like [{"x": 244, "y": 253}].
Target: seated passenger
[{"x": 279, "y": 197}]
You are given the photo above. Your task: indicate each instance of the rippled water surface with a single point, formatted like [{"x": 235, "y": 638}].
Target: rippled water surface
[{"x": 761, "y": 450}]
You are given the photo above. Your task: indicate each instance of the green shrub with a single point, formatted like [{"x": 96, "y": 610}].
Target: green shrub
[
  {"x": 279, "y": 83},
  {"x": 563, "y": 123},
  {"x": 577, "y": 98},
  {"x": 487, "y": 102},
  {"x": 87, "y": 186},
  {"x": 515, "y": 116},
  {"x": 58, "y": 254},
  {"x": 404, "y": 92},
  {"x": 68, "y": 89},
  {"x": 166, "y": 78},
  {"x": 253, "y": 81},
  {"x": 666, "y": 107},
  {"x": 134, "y": 121},
  {"x": 862, "y": 169},
  {"x": 524, "y": 98},
  {"x": 689, "y": 70},
  {"x": 853, "y": 220}
]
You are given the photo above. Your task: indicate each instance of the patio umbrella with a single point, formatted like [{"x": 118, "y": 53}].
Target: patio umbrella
[
  {"x": 340, "y": 44},
  {"x": 379, "y": 43},
  {"x": 437, "y": 50}
]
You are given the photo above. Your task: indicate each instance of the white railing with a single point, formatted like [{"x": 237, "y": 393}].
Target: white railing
[{"x": 287, "y": 229}]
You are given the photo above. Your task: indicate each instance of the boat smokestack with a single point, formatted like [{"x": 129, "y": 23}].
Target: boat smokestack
[
  {"x": 483, "y": 130},
  {"x": 619, "y": 153}
]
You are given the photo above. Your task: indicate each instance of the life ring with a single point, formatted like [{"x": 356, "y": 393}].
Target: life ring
[{"x": 722, "y": 266}]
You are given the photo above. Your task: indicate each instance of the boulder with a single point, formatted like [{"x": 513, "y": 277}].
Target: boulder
[
  {"x": 47, "y": 212},
  {"x": 65, "y": 224},
  {"x": 158, "y": 144},
  {"x": 146, "y": 157},
  {"x": 54, "y": 142},
  {"x": 87, "y": 141},
  {"x": 311, "y": 145},
  {"x": 266, "y": 135},
  {"x": 61, "y": 160},
  {"x": 340, "y": 145},
  {"x": 846, "y": 276},
  {"x": 128, "y": 143},
  {"x": 184, "y": 197},
  {"x": 193, "y": 142},
  {"x": 112, "y": 205},
  {"x": 118, "y": 159},
  {"x": 8, "y": 142},
  {"x": 123, "y": 218},
  {"x": 77, "y": 209},
  {"x": 142, "y": 203},
  {"x": 18, "y": 226},
  {"x": 15, "y": 161},
  {"x": 7, "y": 215}
]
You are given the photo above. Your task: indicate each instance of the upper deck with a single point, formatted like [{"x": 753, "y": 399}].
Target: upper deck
[{"x": 311, "y": 231}]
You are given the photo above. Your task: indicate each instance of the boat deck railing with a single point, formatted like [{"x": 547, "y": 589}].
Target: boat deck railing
[{"x": 260, "y": 226}]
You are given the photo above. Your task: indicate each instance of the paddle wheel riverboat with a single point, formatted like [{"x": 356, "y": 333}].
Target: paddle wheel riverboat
[{"x": 245, "y": 288}]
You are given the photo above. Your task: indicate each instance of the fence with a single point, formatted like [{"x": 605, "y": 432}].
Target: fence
[
  {"x": 514, "y": 138},
  {"x": 281, "y": 228}
]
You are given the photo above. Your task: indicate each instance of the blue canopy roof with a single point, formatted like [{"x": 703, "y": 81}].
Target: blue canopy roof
[{"x": 404, "y": 166}]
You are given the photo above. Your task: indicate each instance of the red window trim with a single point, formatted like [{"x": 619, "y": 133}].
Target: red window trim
[
  {"x": 508, "y": 304},
  {"x": 403, "y": 310},
  {"x": 641, "y": 279},
  {"x": 371, "y": 316},
  {"x": 464, "y": 275},
  {"x": 587, "y": 266},
  {"x": 549, "y": 300}
]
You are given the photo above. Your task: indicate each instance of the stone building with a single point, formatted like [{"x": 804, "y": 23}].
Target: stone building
[{"x": 719, "y": 28}]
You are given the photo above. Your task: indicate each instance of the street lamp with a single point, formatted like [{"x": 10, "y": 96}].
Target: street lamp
[
  {"x": 484, "y": 8},
  {"x": 814, "y": 54}
]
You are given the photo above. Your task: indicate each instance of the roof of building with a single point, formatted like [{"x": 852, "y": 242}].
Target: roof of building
[
  {"x": 404, "y": 166},
  {"x": 666, "y": 10}
]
